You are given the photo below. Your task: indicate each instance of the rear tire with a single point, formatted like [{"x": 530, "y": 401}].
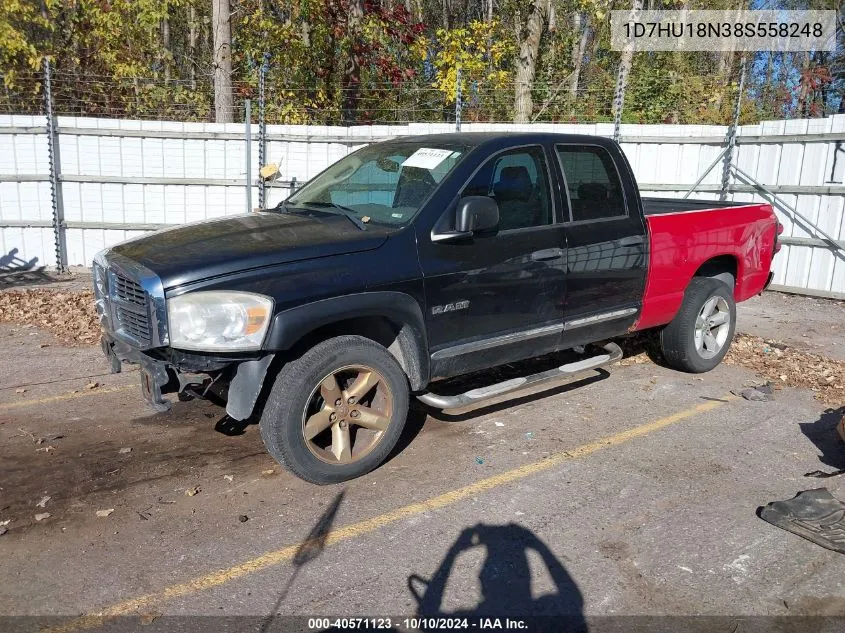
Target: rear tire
[
  {"x": 700, "y": 335},
  {"x": 337, "y": 411}
]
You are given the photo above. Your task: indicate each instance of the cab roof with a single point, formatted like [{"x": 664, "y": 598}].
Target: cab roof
[{"x": 499, "y": 140}]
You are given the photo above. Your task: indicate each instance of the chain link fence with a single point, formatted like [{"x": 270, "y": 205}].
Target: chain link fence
[{"x": 650, "y": 97}]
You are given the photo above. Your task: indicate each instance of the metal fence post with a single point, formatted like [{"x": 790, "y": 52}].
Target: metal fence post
[
  {"x": 55, "y": 164},
  {"x": 625, "y": 63},
  {"x": 248, "y": 141},
  {"x": 262, "y": 131},
  {"x": 731, "y": 138},
  {"x": 618, "y": 102},
  {"x": 458, "y": 103}
]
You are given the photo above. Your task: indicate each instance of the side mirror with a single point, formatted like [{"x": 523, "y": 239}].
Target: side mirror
[{"x": 476, "y": 214}]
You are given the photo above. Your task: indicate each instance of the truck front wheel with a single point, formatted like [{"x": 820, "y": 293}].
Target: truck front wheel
[
  {"x": 700, "y": 335},
  {"x": 337, "y": 411}
]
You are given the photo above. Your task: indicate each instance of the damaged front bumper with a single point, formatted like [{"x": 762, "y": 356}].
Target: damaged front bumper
[{"x": 164, "y": 371}]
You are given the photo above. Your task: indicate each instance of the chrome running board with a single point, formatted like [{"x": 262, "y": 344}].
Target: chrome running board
[{"x": 474, "y": 396}]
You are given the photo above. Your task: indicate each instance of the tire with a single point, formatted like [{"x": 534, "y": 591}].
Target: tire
[
  {"x": 688, "y": 350},
  {"x": 301, "y": 396}
]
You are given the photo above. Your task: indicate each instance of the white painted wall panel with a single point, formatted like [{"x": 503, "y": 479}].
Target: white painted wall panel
[{"x": 794, "y": 163}]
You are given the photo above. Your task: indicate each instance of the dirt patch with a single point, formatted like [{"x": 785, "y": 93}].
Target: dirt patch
[
  {"x": 776, "y": 361},
  {"x": 788, "y": 366},
  {"x": 88, "y": 466},
  {"x": 70, "y": 316}
]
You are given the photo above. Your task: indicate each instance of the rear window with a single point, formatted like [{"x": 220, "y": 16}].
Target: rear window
[{"x": 592, "y": 183}]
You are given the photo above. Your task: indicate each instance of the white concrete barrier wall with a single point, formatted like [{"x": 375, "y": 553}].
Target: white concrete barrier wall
[{"x": 117, "y": 150}]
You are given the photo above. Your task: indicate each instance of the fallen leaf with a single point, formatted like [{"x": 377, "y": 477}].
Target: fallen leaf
[
  {"x": 191, "y": 492},
  {"x": 42, "y": 516},
  {"x": 229, "y": 477},
  {"x": 267, "y": 472},
  {"x": 104, "y": 513}
]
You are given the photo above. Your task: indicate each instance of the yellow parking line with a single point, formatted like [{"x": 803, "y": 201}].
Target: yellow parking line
[
  {"x": 65, "y": 396},
  {"x": 269, "y": 559}
]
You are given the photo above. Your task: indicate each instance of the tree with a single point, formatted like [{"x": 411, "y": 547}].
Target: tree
[
  {"x": 351, "y": 82},
  {"x": 580, "y": 23},
  {"x": 625, "y": 62},
  {"x": 481, "y": 50},
  {"x": 526, "y": 62},
  {"x": 223, "y": 97}
]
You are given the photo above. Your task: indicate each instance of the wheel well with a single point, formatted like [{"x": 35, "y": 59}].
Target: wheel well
[
  {"x": 395, "y": 337},
  {"x": 723, "y": 268}
]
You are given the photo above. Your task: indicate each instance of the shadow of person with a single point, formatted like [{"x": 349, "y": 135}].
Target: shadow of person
[
  {"x": 822, "y": 433},
  {"x": 505, "y": 579}
]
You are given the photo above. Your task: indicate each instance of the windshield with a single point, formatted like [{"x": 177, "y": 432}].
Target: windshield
[{"x": 384, "y": 183}]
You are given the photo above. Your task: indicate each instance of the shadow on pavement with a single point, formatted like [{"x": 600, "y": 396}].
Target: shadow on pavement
[
  {"x": 505, "y": 580},
  {"x": 822, "y": 433},
  {"x": 309, "y": 549}
]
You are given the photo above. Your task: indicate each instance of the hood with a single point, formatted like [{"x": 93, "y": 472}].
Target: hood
[{"x": 217, "y": 247}]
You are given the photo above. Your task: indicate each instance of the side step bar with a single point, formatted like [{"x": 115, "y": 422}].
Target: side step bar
[{"x": 474, "y": 396}]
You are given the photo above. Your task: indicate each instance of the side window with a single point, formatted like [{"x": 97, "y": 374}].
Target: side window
[
  {"x": 518, "y": 182},
  {"x": 594, "y": 188}
]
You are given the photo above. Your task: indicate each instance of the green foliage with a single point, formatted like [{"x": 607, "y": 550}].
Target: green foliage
[
  {"x": 480, "y": 49},
  {"x": 395, "y": 61}
]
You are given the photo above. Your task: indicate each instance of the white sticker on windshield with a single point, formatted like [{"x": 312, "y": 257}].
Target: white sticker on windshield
[{"x": 427, "y": 157}]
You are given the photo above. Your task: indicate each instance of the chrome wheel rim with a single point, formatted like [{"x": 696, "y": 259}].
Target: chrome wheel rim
[
  {"x": 347, "y": 414},
  {"x": 712, "y": 327}
]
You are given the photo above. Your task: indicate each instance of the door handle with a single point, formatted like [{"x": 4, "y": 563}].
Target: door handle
[
  {"x": 547, "y": 253},
  {"x": 634, "y": 240}
]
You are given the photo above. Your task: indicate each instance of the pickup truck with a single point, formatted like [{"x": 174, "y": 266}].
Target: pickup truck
[{"x": 417, "y": 260}]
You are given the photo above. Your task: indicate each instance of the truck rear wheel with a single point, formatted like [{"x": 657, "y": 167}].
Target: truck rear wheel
[
  {"x": 336, "y": 412},
  {"x": 700, "y": 335}
]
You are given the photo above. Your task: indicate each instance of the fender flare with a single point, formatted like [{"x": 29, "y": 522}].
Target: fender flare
[{"x": 292, "y": 325}]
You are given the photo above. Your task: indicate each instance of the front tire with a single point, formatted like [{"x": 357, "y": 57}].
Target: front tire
[
  {"x": 700, "y": 335},
  {"x": 337, "y": 411}
]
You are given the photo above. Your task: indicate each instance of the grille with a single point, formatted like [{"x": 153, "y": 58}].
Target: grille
[
  {"x": 129, "y": 290},
  {"x": 130, "y": 308},
  {"x": 135, "y": 325}
]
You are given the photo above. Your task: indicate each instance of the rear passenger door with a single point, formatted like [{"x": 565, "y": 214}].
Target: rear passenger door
[{"x": 607, "y": 246}]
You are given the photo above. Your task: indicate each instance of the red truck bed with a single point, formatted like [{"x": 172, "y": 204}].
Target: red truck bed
[{"x": 683, "y": 234}]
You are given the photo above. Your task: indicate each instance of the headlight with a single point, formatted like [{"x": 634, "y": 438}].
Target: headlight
[
  {"x": 98, "y": 271},
  {"x": 218, "y": 320},
  {"x": 99, "y": 280}
]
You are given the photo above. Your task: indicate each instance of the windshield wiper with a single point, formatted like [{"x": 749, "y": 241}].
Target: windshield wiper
[{"x": 344, "y": 211}]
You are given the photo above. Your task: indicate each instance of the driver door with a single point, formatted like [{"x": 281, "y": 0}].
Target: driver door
[{"x": 498, "y": 298}]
